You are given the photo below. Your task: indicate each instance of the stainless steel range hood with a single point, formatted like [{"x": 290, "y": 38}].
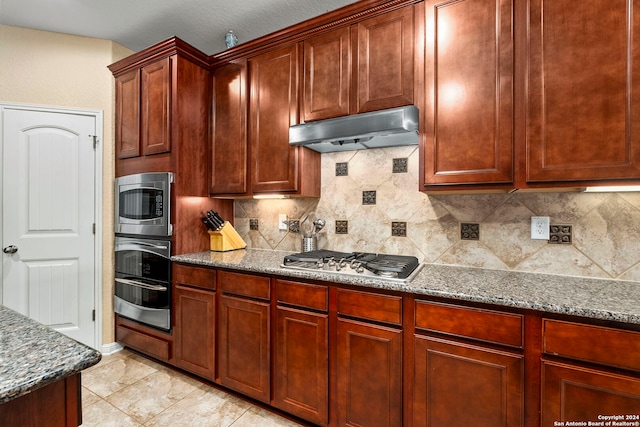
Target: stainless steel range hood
[{"x": 385, "y": 128}]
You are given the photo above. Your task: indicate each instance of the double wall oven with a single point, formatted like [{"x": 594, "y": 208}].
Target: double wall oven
[{"x": 143, "y": 248}]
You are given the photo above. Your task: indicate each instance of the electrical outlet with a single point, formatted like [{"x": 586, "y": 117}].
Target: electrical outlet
[
  {"x": 282, "y": 222},
  {"x": 540, "y": 227}
]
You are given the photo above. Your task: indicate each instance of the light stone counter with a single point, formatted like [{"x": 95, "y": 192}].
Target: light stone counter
[
  {"x": 33, "y": 355},
  {"x": 613, "y": 300}
]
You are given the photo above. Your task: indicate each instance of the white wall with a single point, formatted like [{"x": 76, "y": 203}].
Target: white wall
[{"x": 61, "y": 70}]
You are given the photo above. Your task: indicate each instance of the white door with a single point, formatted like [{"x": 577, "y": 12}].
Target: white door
[{"x": 48, "y": 215}]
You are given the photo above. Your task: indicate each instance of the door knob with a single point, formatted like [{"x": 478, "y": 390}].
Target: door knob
[{"x": 11, "y": 249}]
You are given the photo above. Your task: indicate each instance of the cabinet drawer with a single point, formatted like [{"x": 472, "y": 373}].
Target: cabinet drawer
[
  {"x": 597, "y": 344},
  {"x": 314, "y": 297},
  {"x": 194, "y": 276},
  {"x": 147, "y": 344},
  {"x": 376, "y": 307},
  {"x": 244, "y": 285},
  {"x": 466, "y": 322}
]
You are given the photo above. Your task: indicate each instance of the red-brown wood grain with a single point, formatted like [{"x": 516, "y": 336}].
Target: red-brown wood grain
[
  {"x": 382, "y": 58},
  {"x": 56, "y": 405},
  {"x": 273, "y": 108},
  {"x": 301, "y": 366},
  {"x": 229, "y": 150},
  {"x": 468, "y": 128},
  {"x": 581, "y": 92},
  {"x": 195, "y": 330},
  {"x": 574, "y": 393},
  {"x": 369, "y": 377},
  {"x": 461, "y": 384},
  {"x": 128, "y": 114},
  {"x": 244, "y": 353},
  {"x": 327, "y": 75}
]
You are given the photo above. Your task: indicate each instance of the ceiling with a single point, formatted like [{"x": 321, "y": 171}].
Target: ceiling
[{"x": 137, "y": 24}]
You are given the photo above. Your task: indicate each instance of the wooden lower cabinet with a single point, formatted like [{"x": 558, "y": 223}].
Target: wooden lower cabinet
[
  {"x": 464, "y": 385},
  {"x": 194, "y": 330},
  {"x": 574, "y": 393},
  {"x": 301, "y": 365},
  {"x": 369, "y": 374},
  {"x": 58, "y": 404},
  {"x": 145, "y": 339},
  {"x": 243, "y": 347}
]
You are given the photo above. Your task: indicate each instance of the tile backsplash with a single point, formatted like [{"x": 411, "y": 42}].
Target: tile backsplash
[{"x": 605, "y": 227}]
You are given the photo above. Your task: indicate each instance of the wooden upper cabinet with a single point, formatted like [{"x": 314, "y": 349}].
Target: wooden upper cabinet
[
  {"x": 327, "y": 75},
  {"x": 228, "y": 174},
  {"x": 143, "y": 110},
  {"x": 469, "y": 60},
  {"x": 128, "y": 115},
  {"x": 366, "y": 67},
  {"x": 155, "y": 100},
  {"x": 383, "y": 47},
  {"x": 277, "y": 167},
  {"x": 583, "y": 92}
]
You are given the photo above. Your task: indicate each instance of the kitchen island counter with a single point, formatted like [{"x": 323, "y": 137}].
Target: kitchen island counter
[
  {"x": 33, "y": 356},
  {"x": 605, "y": 299}
]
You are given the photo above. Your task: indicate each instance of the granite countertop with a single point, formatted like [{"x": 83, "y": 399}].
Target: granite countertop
[
  {"x": 606, "y": 299},
  {"x": 33, "y": 355}
]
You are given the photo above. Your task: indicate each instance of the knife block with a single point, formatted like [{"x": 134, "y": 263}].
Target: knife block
[{"x": 226, "y": 239}]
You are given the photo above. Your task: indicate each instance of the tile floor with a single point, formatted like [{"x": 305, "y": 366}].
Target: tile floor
[{"x": 129, "y": 390}]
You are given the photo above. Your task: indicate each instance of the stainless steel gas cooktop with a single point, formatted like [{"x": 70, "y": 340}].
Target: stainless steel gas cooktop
[{"x": 397, "y": 268}]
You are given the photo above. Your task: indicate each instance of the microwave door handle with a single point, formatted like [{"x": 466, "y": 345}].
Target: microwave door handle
[{"x": 141, "y": 285}]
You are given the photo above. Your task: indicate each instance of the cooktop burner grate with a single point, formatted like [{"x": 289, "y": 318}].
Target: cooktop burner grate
[{"x": 397, "y": 267}]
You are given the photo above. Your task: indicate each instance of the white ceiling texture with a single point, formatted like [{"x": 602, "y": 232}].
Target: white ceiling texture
[{"x": 137, "y": 24}]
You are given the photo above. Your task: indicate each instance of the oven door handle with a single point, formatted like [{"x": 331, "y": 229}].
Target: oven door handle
[
  {"x": 151, "y": 245},
  {"x": 142, "y": 285}
]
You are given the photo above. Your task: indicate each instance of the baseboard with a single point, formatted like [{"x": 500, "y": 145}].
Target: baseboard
[{"x": 112, "y": 348}]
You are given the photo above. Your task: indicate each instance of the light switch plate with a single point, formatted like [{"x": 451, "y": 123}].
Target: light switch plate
[
  {"x": 282, "y": 222},
  {"x": 540, "y": 227}
]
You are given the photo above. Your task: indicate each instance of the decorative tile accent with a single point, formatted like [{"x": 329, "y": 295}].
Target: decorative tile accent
[
  {"x": 605, "y": 238},
  {"x": 400, "y": 165},
  {"x": 399, "y": 229},
  {"x": 469, "y": 231},
  {"x": 253, "y": 224},
  {"x": 369, "y": 197},
  {"x": 560, "y": 234},
  {"x": 342, "y": 169}
]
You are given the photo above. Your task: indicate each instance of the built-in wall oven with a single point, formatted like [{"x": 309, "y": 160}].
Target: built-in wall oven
[
  {"x": 143, "y": 280},
  {"x": 143, "y": 204},
  {"x": 143, "y": 248}
]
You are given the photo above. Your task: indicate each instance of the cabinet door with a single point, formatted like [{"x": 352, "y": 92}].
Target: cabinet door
[
  {"x": 128, "y": 115},
  {"x": 273, "y": 109},
  {"x": 228, "y": 167},
  {"x": 301, "y": 365},
  {"x": 194, "y": 330},
  {"x": 156, "y": 98},
  {"x": 384, "y": 47},
  {"x": 327, "y": 75},
  {"x": 581, "y": 394},
  {"x": 583, "y": 93},
  {"x": 468, "y": 93},
  {"x": 369, "y": 375},
  {"x": 243, "y": 350},
  {"x": 463, "y": 385}
]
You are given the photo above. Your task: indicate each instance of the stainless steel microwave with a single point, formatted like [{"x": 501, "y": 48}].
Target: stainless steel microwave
[{"x": 143, "y": 204}]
